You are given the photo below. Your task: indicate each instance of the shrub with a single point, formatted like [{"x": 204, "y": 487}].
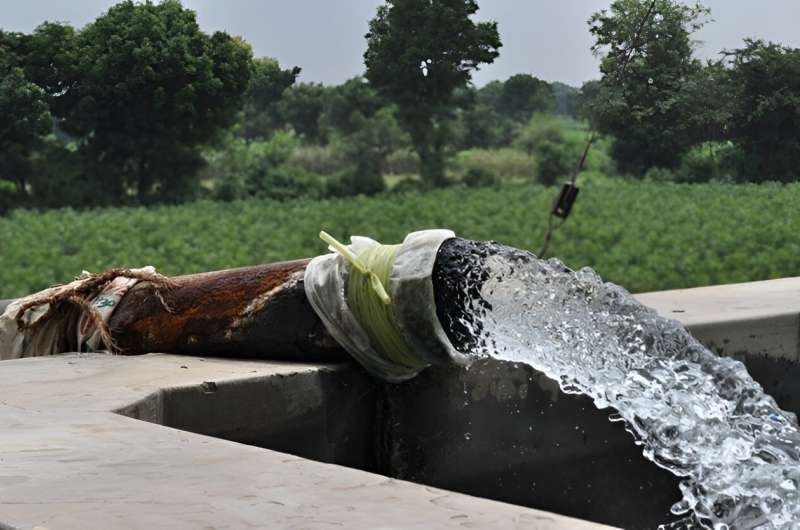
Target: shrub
[
  {"x": 659, "y": 174},
  {"x": 240, "y": 168},
  {"x": 480, "y": 178},
  {"x": 363, "y": 178},
  {"x": 289, "y": 182},
  {"x": 408, "y": 186},
  {"x": 557, "y": 144},
  {"x": 319, "y": 159},
  {"x": 230, "y": 186},
  {"x": 503, "y": 163},
  {"x": 712, "y": 161},
  {"x": 62, "y": 176},
  {"x": 554, "y": 159},
  {"x": 402, "y": 162},
  {"x": 698, "y": 166},
  {"x": 8, "y": 196},
  {"x": 543, "y": 128}
]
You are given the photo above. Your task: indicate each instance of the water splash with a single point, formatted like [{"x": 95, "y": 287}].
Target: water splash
[{"x": 694, "y": 413}]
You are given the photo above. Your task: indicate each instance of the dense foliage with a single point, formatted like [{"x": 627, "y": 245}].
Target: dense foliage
[
  {"x": 262, "y": 113},
  {"x": 765, "y": 113},
  {"x": 135, "y": 93},
  {"x": 24, "y": 116},
  {"x": 661, "y": 105},
  {"x": 647, "y": 64},
  {"x": 645, "y": 236},
  {"x": 419, "y": 54},
  {"x": 149, "y": 88},
  {"x": 141, "y": 107}
]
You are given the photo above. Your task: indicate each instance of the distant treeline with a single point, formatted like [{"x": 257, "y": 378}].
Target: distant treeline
[
  {"x": 141, "y": 106},
  {"x": 669, "y": 114}
]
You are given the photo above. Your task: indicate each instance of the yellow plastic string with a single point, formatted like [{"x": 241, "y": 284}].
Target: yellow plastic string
[
  {"x": 370, "y": 302},
  {"x": 358, "y": 264}
]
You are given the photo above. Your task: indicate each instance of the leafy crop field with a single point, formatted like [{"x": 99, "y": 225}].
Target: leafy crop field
[{"x": 644, "y": 236}]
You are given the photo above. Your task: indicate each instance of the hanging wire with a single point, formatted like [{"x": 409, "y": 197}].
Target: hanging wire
[{"x": 592, "y": 136}]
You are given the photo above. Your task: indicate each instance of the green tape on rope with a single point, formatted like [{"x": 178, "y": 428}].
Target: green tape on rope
[{"x": 369, "y": 300}]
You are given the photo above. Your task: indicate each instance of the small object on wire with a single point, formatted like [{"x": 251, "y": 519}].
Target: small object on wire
[{"x": 562, "y": 206}]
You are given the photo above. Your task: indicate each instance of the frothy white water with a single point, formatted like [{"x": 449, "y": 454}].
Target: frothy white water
[{"x": 694, "y": 413}]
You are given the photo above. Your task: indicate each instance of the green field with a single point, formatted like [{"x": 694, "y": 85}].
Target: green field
[{"x": 644, "y": 236}]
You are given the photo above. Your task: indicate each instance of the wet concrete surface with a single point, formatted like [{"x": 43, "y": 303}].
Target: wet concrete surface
[
  {"x": 69, "y": 462},
  {"x": 504, "y": 431}
]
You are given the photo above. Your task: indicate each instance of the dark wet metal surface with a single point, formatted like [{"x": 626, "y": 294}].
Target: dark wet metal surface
[{"x": 259, "y": 311}]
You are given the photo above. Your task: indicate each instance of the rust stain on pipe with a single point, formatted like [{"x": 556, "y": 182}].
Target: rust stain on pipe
[
  {"x": 259, "y": 311},
  {"x": 259, "y": 302}
]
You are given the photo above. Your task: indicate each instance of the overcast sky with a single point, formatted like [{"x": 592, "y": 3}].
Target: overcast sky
[{"x": 546, "y": 38}]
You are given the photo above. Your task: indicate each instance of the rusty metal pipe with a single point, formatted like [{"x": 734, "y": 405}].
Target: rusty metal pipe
[
  {"x": 264, "y": 311},
  {"x": 259, "y": 311}
]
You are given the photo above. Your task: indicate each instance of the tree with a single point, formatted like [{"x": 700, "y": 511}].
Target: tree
[
  {"x": 25, "y": 115},
  {"x": 522, "y": 95},
  {"x": 586, "y": 99},
  {"x": 261, "y": 100},
  {"x": 301, "y": 108},
  {"x": 49, "y": 57},
  {"x": 148, "y": 88},
  {"x": 366, "y": 148},
  {"x": 490, "y": 93},
  {"x": 483, "y": 128},
  {"x": 554, "y": 159},
  {"x": 765, "y": 85},
  {"x": 567, "y": 98},
  {"x": 418, "y": 53},
  {"x": 349, "y": 104},
  {"x": 647, "y": 64},
  {"x": 481, "y": 124}
]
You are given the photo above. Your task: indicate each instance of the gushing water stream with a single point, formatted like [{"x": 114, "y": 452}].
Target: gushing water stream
[{"x": 694, "y": 413}]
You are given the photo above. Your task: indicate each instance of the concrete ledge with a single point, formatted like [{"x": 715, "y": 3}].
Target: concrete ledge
[
  {"x": 67, "y": 462},
  {"x": 506, "y": 432},
  {"x": 757, "y": 323},
  {"x": 325, "y": 414},
  {"x": 756, "y": 317}
]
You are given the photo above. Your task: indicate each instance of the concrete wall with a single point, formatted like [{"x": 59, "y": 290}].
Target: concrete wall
[
  {"x": 506, "y": 432},
  {"x": 325, "y": 415},
  {"x": 755, "y": 322},
  {"x": 753, "y": 318},
  {"x": 498, "y": 430},
  {"x": 68, "y": 462}
]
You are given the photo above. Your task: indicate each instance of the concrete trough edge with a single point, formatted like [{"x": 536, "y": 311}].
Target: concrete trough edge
[
  {"x": 68, "y": 461},
  {"x": 755, "y": 317}
]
